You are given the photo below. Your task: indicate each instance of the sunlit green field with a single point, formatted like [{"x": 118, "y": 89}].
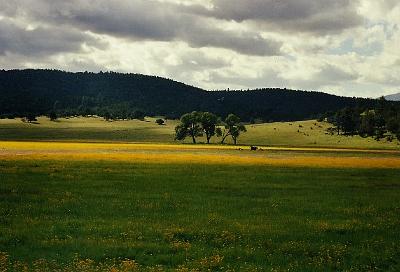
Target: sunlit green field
[
  {"x": 87, "y": 129},
  {"x": 309, "y": 134},
  {"x": 202, "y": 217},
  {"x": 133, "y": 200},
  {"x": 116, "y": 207},
  {"x": 299, "y": 134}
]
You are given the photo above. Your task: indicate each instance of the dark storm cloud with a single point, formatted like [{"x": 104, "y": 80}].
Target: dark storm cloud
[
  {"x": 145, "y": 20},
  {"x": 139, "y": 20},
  {"x": 41, "y": 41},
  {"x": 245, "y": 43},
  {"x": 151, "y": 21},
  {"x": 312, "y": 16}
]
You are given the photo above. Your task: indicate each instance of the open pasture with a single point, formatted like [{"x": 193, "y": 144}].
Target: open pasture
[
  {"x": 80, "y": 129},
  {"x": 162, "y": 207}
]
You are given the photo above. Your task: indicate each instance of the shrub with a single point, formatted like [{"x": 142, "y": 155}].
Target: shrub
[{"x": 160, "y": 122}]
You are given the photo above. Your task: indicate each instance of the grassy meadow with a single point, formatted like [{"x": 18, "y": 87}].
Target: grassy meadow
[
  {"x": 82, "y": 129},
  {"x": 79, "y": 129},
  {"x": 83, "y": 194}
]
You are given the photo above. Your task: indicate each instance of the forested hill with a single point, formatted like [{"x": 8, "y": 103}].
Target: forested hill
[{"x": 39, "y": 92}]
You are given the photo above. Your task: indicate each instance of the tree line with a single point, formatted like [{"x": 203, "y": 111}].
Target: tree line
[
  {"x": 381, "y": 121},
  {"x": 198, "y": 124},
  {"x": 112, "y": 95}
]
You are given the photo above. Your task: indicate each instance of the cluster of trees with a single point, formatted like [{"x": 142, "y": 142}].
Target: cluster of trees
[
  {"x": 125, "y": 96},
  {"x": 120, "y": 114},
  {"x": 196, "y": 124},
  {"x": 378, "y": 122}
]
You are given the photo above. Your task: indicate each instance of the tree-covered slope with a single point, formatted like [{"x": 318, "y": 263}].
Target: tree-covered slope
[{"x": 41, "y": 91}]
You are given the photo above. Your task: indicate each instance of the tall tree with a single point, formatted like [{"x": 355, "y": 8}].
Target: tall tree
[
  {"x": 189, "y": 126},
  {"x": 236, "y": 131},
  {"x": 393, "y": 124},
  {"x": 31, "y": 117},
  {"x": 367, "y": 124},
  {"x": 53, "y": 115},
  {"x": 232, "y": 128},
  {"x": 347, "y": 121},
  {"x": 208, "y": 123}
]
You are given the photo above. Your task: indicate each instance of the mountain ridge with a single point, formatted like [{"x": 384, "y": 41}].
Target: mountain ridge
[
  {"x": 393, "y": 97},
  {"x": 39, "y": 91}
]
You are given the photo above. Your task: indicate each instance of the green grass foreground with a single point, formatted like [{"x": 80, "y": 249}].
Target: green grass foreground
[{"x": 105, "y": 216}]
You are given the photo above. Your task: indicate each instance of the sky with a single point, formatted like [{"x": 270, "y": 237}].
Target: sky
[{"x": 343, "y": 47}]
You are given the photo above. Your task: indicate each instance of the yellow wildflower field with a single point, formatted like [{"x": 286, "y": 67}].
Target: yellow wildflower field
[{"x": 198, "y": 154}]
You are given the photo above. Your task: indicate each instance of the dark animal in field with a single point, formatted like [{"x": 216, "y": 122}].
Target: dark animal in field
[{"x": 253, "y": 148}]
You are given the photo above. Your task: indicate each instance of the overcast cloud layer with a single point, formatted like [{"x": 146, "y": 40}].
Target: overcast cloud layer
[{"x": 345, "y": 47}]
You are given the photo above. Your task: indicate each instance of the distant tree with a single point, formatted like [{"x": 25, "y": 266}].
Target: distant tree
[
  {"x": 380, "y": 124},
  {"x": 320, "y": 118},
  {"x": 160, "y": 122},
  {"x": 232, "y": 128},
  {"x": 330, "y": 117},
  {"x": 53, "y": 115},
  {"x": 381, "y": 105},
  {"x": 189, "y": 126},
  {"x": 84, "y": 111},
  {"x": 107, "y": 115},
  {"x": 123, "y": 114},
  {"x": 31, "y": 117},
  {"x": 393, "y": 124},
  {"x": 346, "y": 121},
  {"x": 138, "y": 114},
  {"x": 208, "y": 123},
  {"x": 236, "y": 132},
  {"x": 367, "y": 124}
]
